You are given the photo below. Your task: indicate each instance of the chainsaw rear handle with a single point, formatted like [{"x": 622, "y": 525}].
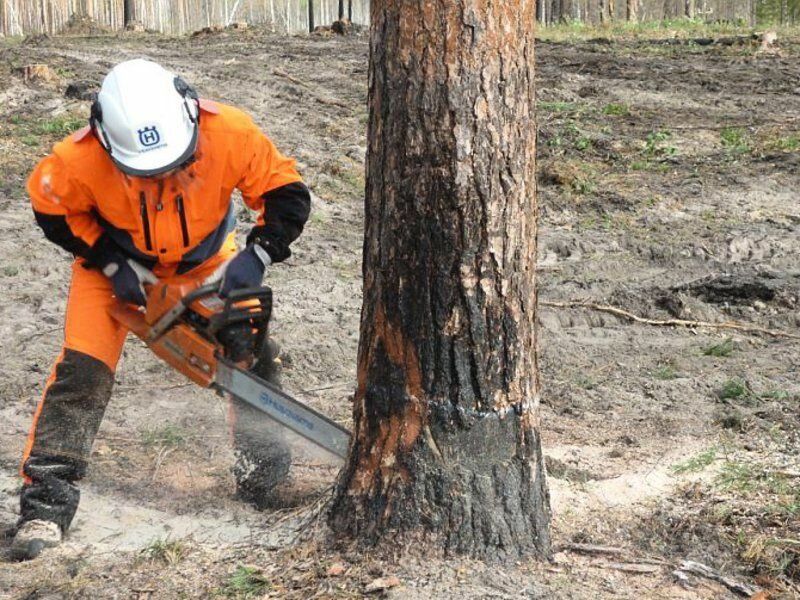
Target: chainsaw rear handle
[
  {"x": 203, "y": 291},
  {"x": 240, "y": 307}
]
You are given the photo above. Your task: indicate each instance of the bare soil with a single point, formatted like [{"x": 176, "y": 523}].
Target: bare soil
[{"x": 668, "y": 181}]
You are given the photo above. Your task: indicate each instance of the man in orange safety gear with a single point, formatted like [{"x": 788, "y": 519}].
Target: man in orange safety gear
[{"x": 147, "y": 186}]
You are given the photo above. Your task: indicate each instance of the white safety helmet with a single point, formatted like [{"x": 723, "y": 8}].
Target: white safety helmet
[{"x": 146, "y": 118}]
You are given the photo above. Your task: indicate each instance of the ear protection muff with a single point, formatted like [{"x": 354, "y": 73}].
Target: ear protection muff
[
  {"x": 191, "y": 101},
  {"x": 96, "y": 124}
]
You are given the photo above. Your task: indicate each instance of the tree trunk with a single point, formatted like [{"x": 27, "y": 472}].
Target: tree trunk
[
  {"x": 446, "y": 439},
  {"x": 129, "y": 11},
  {"x": 631, "y": 10},
  {"x": 310, "y": 15},
  {"x": 689, "y": 9},
  {"x": 341, "y": 9}
]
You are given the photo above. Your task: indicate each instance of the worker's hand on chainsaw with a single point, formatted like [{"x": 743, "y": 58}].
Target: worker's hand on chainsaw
[
  {"x": 128, "y": 281},
  {"x": 127, "y": 277},
  {"x": 246, "y": 270}
]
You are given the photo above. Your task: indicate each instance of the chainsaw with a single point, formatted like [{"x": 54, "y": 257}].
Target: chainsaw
[{"x": 215, "y": 341}]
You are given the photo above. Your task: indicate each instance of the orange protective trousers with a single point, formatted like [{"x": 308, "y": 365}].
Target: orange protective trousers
[{"x": 90, "y": 330}]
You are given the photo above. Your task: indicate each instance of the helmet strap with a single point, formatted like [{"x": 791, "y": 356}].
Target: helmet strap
[
  {"x": 95, "y": 123},
  {"x": 188, "y": 93}
]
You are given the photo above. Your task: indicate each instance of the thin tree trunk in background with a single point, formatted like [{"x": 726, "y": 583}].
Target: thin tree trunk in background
[
  {"x": 129, "y": 11},
  {"x": 612, "y": 10},
  {"x": 310, "y": 15},
  {"x": 446, "y": 441},
  {"x": 350, "y": 10},
  {"x": 689, "y": 9},
  {"x": 631, "y": 10},
  {"x": 3, "y": 18},
  {"x": 341, "y": 9},
  {"x": 601, "y": 5}
]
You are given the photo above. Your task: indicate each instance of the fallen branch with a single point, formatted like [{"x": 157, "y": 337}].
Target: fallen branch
[
  {"x": 701, "y": 570},
  {"x": 593, "y": 549},
  {"x": 300, "y": 82},
  {"x": 331, "y": 102},
  {"x": 619, "y": 312},
  {"x": 292, "y": 78},
  {"x": 783, "y": 473},
  {"x": 633, "y": 568}
]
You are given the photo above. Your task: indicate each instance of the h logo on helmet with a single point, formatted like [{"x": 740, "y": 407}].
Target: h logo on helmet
[{"x": 149, "y": 136}]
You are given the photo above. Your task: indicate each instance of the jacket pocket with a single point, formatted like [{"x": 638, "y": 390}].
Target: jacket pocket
[{"x": 184, "y": 225}]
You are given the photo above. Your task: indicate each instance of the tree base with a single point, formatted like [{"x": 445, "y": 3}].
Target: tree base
[{"x": 471, "y": 490}]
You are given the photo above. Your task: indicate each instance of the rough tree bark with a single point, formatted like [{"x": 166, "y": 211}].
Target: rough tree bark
[
  {"x": 311, "y": 16},
  {"x": 446, "y": 442}
]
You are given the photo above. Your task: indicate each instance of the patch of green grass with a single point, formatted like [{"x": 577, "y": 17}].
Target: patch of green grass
[
  {"x": 696, "y": 463},
  {"x": 742, "y": 477},
  {"x": 583, "y": 143},
  {"x": 558, "y": 106},
  {"x": 734, "y": 389},
  {"x": 58, "y": 126},
  {"x": 785, "y": 144},
  {"x": 318, "y": 218},
  {"x": 164, "y": 550},
  {"x": 170, "y": 436},
  {"x": 655, "y": 145},
  {"x": 735, "y": 140},
  {"x": 723, "y": 349},
  {"x": 246, "y": 582},
  {"x": 665, "y": 373},
  {"x": 65, "y": 72},
  {"x": 30, "y": 140},
  {"x": 709, "y": 216},
  {"x": 776, "y": 395},
  {"x": 10, "y": 271},
  {"x": 616, "y": 110},
  {"x": 583, "y": 186},
  {"x": 354, "y": 179},
  {"x": 585, "y": 382}
]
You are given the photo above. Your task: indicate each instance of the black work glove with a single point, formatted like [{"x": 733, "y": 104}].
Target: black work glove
[
  {"x": 127, "y": 277},
  {"x": 128, "y": 286},
  {"x": 246, "y": 270}
]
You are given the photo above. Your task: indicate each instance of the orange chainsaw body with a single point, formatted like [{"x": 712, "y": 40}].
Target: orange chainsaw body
[
  {"x": 181, "y": 347},
  {"x": 185, "y": 324}
]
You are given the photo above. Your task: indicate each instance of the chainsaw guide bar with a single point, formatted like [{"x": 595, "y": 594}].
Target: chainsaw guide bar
[
  {"x": 282, "y": 408},
  {"x": 212, "y": 341}
]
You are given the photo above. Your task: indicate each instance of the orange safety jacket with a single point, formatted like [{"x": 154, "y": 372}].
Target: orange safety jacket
[{"x": 176, "y": 222}]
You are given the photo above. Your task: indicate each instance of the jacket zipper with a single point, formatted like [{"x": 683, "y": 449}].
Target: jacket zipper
[
  {"x": 184, "y": 226},
  {"x": 148, "y": 242}
]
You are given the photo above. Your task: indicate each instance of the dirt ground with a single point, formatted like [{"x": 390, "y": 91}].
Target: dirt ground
[{"x": 668, "y": 181}]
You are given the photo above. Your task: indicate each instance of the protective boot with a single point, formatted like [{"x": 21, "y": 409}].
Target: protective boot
[
  {"x": 59, "y": 445},
  {"x": 263, "y": 456},
  {"x": 34, "y": 536}
]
